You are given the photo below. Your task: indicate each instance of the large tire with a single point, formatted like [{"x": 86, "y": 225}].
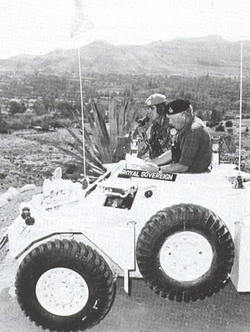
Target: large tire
[
  {"x": 185, "y": 252},
  {"x": 64, "y": 286}
]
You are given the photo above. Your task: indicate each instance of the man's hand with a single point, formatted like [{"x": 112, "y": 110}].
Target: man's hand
[
  {"x": 150, "y": 167},
  {"x": 147, "y": 159}
]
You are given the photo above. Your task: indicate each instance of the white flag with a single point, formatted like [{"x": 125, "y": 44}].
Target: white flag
[{"x": 79, "y": 20}]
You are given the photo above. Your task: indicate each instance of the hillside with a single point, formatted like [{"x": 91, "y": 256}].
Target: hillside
[{"x": 191, "y": 57}]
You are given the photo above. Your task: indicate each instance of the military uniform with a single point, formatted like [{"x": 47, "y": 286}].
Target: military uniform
[
  {"x": 155, "y": 139},
  {"x": 195, "y": 147}
]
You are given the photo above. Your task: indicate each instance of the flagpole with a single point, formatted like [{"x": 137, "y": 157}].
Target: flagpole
[{"x": 82, "y": 113}]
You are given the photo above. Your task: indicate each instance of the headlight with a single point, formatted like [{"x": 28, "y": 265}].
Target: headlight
[{"x": 27, "y": 216}]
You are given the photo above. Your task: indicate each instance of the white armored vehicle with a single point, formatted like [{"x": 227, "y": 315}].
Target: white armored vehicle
[{"x": 185, "y": 234}]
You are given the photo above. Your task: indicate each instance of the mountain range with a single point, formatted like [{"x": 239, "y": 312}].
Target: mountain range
[{"x": 191, "y": 56}]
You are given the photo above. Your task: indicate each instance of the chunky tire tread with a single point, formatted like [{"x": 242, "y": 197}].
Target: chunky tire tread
[
  {"x": 185, "y": 217},
  {"x": 78, "y": 257}
]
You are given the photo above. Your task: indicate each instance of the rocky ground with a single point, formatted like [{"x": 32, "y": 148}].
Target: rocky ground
[{"x": 25, "y": 160}]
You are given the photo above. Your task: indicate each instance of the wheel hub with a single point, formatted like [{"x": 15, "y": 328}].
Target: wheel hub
[
  {"x": 186, "y": 256},
  {"x": 62, "y": 291}
]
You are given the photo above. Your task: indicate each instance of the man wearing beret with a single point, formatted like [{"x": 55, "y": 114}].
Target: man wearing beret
[{"x": 192, "y": 139}]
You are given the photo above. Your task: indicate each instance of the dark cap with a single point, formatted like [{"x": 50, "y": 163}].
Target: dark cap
[{"x": 177, "y": 106}]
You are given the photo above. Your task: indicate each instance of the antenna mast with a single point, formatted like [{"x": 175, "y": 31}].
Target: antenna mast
[
  {"x": 82, "y": 113},
  {"x": 239, "y": 181},
  {"x": 241, "y": 56}
]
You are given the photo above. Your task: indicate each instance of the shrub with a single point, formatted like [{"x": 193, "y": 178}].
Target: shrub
[
  {"x": 230, "y": 130},
  {"x": 103, "y": 142},
  {"x": 220, "y": 127},
  {"x": 210, "y": 124},
  {"x": 229, "y": 123},
  {"x": 47, "y": 121},
  {"x": 61, "y": 123},
  {"x": 16, "y": 125},
  {"x": 4, "y": 126},
  {"x": 19, "y": 121}
]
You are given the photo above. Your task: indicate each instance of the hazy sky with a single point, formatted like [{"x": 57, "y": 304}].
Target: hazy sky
[{"x": 39, "y": 26}]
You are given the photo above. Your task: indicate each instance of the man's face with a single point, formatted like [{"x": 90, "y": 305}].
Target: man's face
[
  {"x": 152, "y": 113},
  {"x": 177, "y": 120}
]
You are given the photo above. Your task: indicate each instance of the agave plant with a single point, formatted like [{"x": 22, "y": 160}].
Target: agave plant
[{"x": 103, "y": 142}]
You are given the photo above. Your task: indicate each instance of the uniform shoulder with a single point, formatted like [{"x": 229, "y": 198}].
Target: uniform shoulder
[{"x": 197, "y": 123}]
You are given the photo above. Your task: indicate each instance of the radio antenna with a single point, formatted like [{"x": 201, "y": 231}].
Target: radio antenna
[
  {"x": 240, "y": 122},
  {"x": 239, "y": 181}
]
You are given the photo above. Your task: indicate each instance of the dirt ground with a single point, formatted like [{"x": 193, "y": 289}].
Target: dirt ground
[
  {"x": 28, "y": 162},
  {"x": 145, "y": 311},
  {"x": 24, "y": 160}
]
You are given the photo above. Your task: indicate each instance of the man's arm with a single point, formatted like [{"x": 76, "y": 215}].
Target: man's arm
[
  {"x": 164, "y": 158},
  {"x": 174, "y": 168}
]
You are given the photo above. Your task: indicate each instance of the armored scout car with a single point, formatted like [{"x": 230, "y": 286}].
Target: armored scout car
[{"x": 184, "y": 234}]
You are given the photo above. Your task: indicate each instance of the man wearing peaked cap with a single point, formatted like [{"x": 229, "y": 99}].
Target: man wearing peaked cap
[
  {"x": 154, "y": 138},
  {"x": 155, "y": 99},
  {"x": 192, "y": 141}
]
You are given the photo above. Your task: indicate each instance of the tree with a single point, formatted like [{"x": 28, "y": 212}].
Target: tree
[
  {"x": 16, "y": 107},
  {"x": 39, "y": 107},
  {"x": 216, "y": 116},
  {"x": 65, "y": 108}
]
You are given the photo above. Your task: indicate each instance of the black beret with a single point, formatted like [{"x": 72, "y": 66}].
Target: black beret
[{"x": 177, "y": 106}]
